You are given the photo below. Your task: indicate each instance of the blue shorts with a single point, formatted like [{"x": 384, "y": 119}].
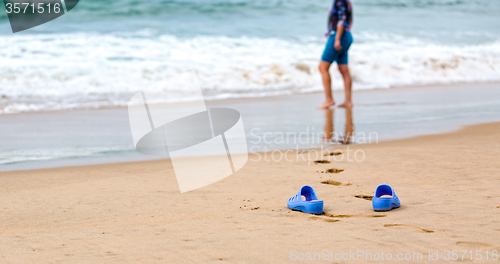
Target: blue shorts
[{"x": 340, "y": 56}]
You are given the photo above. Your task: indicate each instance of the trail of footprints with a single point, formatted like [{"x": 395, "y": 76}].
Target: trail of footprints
[
  {"x": 336, "y": 217},
  {"x": 332, "y": 218},
  {"x": 362, "y": 196},
  {"x": 334, "y": 170},
  {"x": 331, "y": 170}
]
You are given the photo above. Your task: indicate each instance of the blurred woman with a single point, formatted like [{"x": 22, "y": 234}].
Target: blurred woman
[{"x": 339, "y": 41}]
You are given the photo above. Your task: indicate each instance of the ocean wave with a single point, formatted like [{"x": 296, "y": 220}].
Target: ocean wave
[
  {"x": 90, "y": 70},
  {"x": 132, "y": 8}
]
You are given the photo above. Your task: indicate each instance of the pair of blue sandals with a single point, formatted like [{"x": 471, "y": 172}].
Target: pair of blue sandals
[{"x": 312, "y": 205}]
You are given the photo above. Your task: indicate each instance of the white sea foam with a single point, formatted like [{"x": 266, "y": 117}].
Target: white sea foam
[
  {"x": 16, "y": 156},
  {"x": 52, "y": 72}
]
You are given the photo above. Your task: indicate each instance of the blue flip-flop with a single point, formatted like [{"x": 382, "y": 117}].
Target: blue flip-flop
[
  {"x": 382, "y": 204},
  {"x": 310, "y": 205}
]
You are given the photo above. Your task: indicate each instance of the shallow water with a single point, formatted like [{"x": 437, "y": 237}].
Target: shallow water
[{"x": 52, "y": 139}]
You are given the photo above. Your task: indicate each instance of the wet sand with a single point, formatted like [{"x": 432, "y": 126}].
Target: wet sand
[
  {"x": 133, "y": 212},
  {"x": 83, "y": 137}
]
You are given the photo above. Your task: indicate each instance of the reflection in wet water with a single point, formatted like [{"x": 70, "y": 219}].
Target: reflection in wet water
[{"x": 338, "y": 137}]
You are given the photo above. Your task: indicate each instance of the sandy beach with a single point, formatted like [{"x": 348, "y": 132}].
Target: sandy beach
[
  {"x": 133, "y": 212},
  {"x": 176, "y": 131}
]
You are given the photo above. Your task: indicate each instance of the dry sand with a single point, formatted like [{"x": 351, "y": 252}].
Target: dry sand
[{"x": 133, "y": 212}]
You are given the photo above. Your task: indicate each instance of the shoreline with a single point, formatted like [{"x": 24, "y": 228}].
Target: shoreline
[
  {"x": 103, "y": 136},
  {"x": 275, "y": 97},
  {"x": 133, "y": 211},
  {"x": 330, "y": 148}
]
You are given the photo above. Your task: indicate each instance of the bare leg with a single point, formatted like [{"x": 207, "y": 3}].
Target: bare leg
[
  {"x": 324, "y": 68},
  {"x": 344, "y": 70}
]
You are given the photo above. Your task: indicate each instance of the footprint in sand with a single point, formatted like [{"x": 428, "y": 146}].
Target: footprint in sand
[
  {"x": 472, "y": 244},
  {"x": 333, "y": 170},
  {"x": 332, "y": 182},
  {"x": 327, "y": 217},
  {"x": 333, "y": 153},
  {"x": 324, "y": 219},
  {"x": 249, "y": 207},
  {"x": 321, "y": 161},
  {"x": 410, "y": 226},
  {"x": 244, "y": 207},
  {"x": 315, "y": 218},
  {"x": 354, "y": 216},
  {"x": 366, "y": 197}
]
